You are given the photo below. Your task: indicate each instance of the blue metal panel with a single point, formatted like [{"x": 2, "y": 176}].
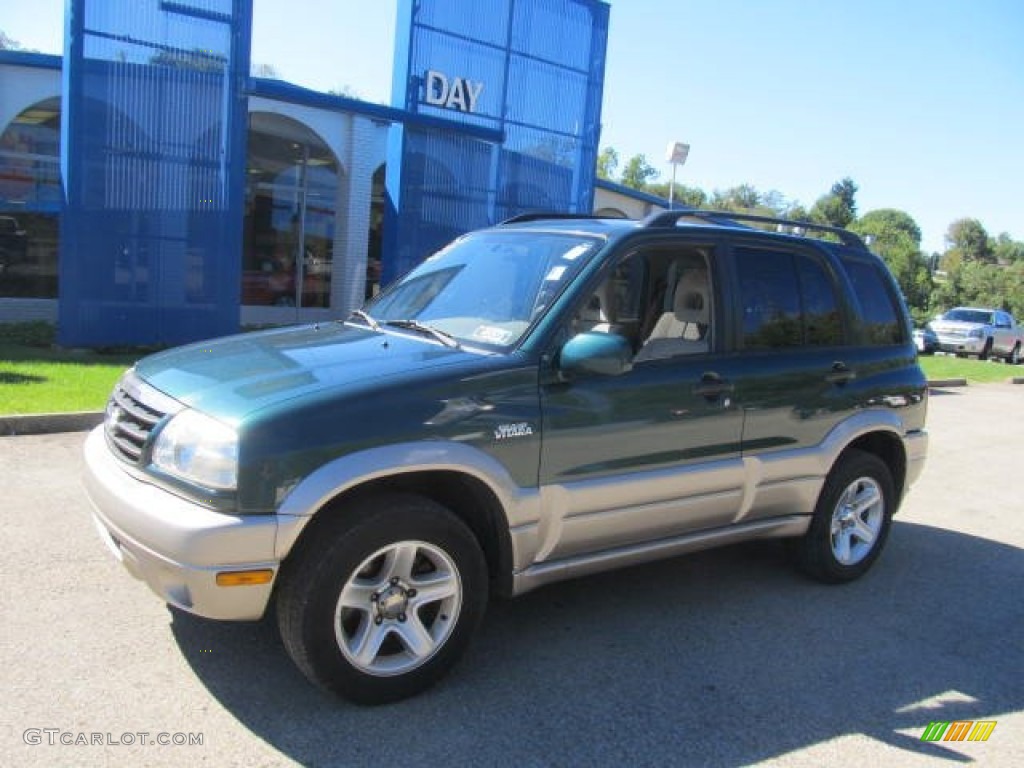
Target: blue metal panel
[
  {"x": 531, "y": 69},
  {"x": 153, "y": 164}
]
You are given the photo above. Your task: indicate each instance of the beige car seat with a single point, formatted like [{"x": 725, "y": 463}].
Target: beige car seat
[
  {"x": 598, "y": 316},
  {"x": 684, "y": 329}
]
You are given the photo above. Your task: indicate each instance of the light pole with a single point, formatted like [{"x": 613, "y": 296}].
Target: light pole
[{"x": 676, "y": 154}]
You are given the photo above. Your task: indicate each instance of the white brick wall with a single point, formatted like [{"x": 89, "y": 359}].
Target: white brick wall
[{"x": 365, "y": 153}]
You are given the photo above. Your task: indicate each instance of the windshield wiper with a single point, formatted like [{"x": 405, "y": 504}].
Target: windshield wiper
[
  {"x": 365, "y": 317},
  {"x": 415, "y": 325}
]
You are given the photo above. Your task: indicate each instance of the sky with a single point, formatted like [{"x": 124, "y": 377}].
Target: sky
[{"x": 920, "y": 102}]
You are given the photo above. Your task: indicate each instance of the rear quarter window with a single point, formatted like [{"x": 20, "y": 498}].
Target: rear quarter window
[{"x": 880, "y": 316}]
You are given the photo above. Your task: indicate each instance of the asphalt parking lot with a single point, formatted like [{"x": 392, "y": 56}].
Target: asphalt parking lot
[{"x": 724, "y": 658}]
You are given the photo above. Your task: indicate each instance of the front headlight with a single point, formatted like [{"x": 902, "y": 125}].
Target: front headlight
[
  {"x": 199, "y": 449},
  {"x": 977, "y": 333}
]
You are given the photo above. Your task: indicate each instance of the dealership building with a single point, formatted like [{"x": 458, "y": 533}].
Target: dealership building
[{"x": 153, "y": 192}]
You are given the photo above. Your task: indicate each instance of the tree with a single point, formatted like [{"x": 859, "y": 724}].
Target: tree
[
  {"x": 839, "y": 207},
  {"x": 1014, "y": 276},
  {"x": 831, "y": 211},
  {"x": 9, "y": 43},
  {"x": 975, "y": 283},
  {"x": 969, "y": 241},
  {"x": 897, "y": 239},
  {"x": 988, "y": 285},
  {"x": 607, "y": 163},
  {"x": 796, "y": 212},
  {"x": 889, "y": 227},
  {"x": 846, "y": 191},
  {"x": 637, "y": 172},
  {"x": 1007, "y": 250},
  {"x": 744, "y": 196},
  {"x": 268, "y": 71},
  {"x": 682, "y": 195},
  {"x": 775, "y": 201},
  {"x": 691, "y": 196}
]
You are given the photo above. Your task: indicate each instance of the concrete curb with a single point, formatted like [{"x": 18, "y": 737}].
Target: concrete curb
[
  {"x": 48, "y": 423},
  {"x": 942, "y": 383}
]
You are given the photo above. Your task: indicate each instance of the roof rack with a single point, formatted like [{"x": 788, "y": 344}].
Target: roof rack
[
  {"x": 728, "y": 218},
  {"x": 540, "y": 216}
]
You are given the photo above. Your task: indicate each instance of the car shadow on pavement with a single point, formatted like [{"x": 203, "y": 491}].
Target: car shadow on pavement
[{"x": 723, "y": 658}]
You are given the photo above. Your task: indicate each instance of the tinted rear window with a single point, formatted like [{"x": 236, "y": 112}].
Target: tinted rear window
[{"x": 879, "y": 313}]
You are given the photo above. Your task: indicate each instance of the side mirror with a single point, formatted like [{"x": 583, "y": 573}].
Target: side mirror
[{"x": 607, "y": 354}]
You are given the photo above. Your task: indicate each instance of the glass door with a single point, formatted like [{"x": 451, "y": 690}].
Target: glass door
[{"x": 290, "y": 216}]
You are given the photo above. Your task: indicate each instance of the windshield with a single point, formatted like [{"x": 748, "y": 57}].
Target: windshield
[
  {"x": 486, "y": 289},
  {"x": 969, "y": 316}
]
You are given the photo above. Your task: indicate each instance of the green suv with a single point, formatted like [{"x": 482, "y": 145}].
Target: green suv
[{"x": 540, "y": 400}]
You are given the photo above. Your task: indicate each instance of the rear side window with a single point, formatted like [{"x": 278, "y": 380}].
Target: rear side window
[
  {"x": 879, "y": 313},
  {"x": 823, "y": 325},
  {"x": 788, "y": 300}
]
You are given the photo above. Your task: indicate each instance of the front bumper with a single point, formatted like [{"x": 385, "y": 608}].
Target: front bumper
[
  {"x": 176, "y": 546},
  {"x": 960, "y": 344}
]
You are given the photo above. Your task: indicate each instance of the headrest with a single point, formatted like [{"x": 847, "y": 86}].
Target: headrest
[
  {"x": 594, "y": 312},
  {"x": 691, "y": 302}
]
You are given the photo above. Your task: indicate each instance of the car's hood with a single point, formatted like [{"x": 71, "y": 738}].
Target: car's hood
[
  {"x": 231, "y": 377},
  {"x": 946, "y": 326}
]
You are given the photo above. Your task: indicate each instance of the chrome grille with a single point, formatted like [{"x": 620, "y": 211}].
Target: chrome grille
[{"x": 133, "y": 411}]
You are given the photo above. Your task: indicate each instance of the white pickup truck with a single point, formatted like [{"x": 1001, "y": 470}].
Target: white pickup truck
[{"x": 981, "y": 332}]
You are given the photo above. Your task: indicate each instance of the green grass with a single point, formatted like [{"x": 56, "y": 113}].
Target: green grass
[
  {"x": 975, "y": 371},
  {"x": 45, "y": 380}
]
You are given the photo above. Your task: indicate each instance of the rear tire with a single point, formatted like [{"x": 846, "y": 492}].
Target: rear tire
[
  {"x": 380, "y": 601},
  {"x": 851, "y": 520},
  {"x": 1014, "y": 357}
]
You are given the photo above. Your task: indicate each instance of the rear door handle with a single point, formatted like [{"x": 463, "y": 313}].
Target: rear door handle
[
  {"x": 840, "y": 374},
  {"x": 712, "y": 385}
]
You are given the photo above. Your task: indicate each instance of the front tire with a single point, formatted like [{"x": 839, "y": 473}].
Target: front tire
[
  {"x": 1014, "y": 357},
  {"x": 986, "y": 350},
  {"x": 380, "y": 601},
  {"x": 851, "y": 520}
]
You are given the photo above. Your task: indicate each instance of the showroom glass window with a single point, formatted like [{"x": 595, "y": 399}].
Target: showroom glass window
[
  {"x": 30, "y": 202},
  {"x": 290, "y": 202}
]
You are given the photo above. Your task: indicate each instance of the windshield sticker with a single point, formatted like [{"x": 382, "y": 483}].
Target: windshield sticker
[
  {"x": 555, "y": 274},
  {"x": 492, "y": 335},
  {"x": 574, "y": 253}
]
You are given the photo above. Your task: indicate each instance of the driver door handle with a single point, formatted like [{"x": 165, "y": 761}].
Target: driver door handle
[{"x": 840, "y": 374}]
